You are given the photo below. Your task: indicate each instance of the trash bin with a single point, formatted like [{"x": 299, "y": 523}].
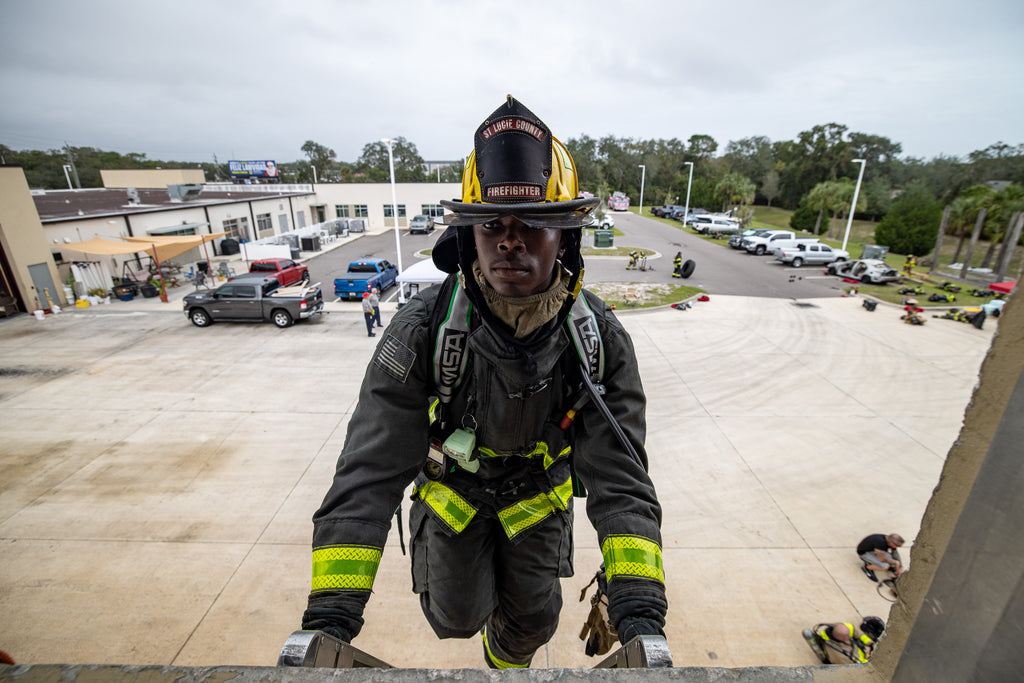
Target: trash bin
[
  {"x": 604, "y": 238},
  {"x": 149, "y": 291},
  {"x": 296, "y": 253}
]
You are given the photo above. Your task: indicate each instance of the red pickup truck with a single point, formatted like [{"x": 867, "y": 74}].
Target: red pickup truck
[{"x": 285, "y": 271}]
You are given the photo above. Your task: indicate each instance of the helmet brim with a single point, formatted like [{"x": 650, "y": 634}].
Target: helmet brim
[{"x": 567, "y": 215}]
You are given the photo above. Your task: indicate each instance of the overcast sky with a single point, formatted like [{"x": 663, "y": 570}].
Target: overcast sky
[{"x": 187, "y": 80}]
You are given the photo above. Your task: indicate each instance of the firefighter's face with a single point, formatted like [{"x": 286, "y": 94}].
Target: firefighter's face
[{"x": 517, "y": 260}]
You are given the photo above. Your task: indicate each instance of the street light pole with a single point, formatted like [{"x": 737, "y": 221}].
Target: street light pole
[
  {"x": 689, "y": 181},
  {"x": 853, "y": 207},
  {"x": 643, "y": 174},
  {"x": 312, "y": 166},
  {"x": 67, "y": 167},
  {"x": 394, "y": 214}
]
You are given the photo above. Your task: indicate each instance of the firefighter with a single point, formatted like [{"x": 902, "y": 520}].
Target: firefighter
[
  {"x": 634, "y": 256},
  {"x": 482, "y": 393},
  {"x": 677, "y": 265},
  {"x": 856, "y": 645}
]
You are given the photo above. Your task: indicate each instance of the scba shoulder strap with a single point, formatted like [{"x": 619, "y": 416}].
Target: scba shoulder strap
[{"x": 452, "y": 315}]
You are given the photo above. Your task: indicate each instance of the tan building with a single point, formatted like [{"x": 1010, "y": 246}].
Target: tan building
[
  {"x": 152, "y": 178},
  {"x": 29, "y": 279},
  {"x": 154, "y": 202}
]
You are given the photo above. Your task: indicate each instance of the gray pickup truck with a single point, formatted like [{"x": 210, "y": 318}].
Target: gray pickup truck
[{"x": 254, "y": 299}]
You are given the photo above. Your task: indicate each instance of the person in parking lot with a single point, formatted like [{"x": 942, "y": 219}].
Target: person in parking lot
[
  {"x": 481, "y": 394},
  {"x": 879, "y": 552},
  {"x": 368, "y": 314},
  {"x": 375, "y": 302}
]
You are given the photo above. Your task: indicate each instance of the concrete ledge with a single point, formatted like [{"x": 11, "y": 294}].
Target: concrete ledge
[{"x": 52, "y": 673}]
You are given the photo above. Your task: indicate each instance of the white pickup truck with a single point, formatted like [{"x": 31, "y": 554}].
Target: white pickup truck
[
  {"x": 815, "y": 253},
  {"x": 763, "y": 243}
]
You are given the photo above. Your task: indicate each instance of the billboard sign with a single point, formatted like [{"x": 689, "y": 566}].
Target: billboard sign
[{"x": 253, "y": 169}]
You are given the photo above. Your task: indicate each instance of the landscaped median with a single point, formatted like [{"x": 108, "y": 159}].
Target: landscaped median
[{"x": 624, "y": 296}]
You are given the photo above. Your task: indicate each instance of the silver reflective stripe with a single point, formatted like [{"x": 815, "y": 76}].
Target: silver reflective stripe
[
  {"x": 582, "y": 324},
  {"x": 450, "y": 346}
]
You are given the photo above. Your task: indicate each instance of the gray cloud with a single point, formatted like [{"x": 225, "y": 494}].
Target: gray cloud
[{"x": 192, "y": 79}]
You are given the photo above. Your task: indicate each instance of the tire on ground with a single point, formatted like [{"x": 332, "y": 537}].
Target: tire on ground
[{"x": 687, "y": 268}]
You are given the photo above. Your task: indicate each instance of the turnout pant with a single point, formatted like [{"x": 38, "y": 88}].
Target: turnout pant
[{"x": 478, "y": 579}]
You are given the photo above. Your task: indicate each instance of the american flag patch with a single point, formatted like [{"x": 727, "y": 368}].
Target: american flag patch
[{"x": 394, "y": 358}]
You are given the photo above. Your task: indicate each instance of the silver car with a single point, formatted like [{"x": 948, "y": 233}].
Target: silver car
[
  {"x": 423, "y": 224},
  {"x": 868, "y": 271}
]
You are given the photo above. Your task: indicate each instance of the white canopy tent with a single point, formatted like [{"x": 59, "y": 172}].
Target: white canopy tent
[{"x": 421, "y": 273}]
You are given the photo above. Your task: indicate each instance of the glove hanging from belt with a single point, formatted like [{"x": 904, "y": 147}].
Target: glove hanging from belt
[{"x": 597, "y": 631}]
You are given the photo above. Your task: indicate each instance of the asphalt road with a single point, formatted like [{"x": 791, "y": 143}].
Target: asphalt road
[{"x": 719, "y": 269}]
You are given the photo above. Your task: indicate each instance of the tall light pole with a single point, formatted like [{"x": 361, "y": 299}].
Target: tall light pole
[
  {"x": 853, "y": 207},
  {"x": 689, "y": 181},
  {"x": 67, "y": 167},
  {"x": 313, "y": 166},
  {"x": 643, "y": 174},
  {"x": 394, "y": 214}
]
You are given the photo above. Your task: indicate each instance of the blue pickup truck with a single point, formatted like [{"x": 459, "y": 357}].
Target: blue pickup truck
[{"x": 364, "y": 274}]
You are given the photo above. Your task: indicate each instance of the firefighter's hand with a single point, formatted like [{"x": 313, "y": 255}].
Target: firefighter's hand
[{"x": 631, "y": 627}]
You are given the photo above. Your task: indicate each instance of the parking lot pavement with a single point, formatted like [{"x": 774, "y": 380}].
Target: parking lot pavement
[{"x": 159, "y": 479}]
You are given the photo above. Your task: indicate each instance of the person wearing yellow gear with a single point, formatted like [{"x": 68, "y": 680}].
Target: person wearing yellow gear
[
  {"x": 482, "y": 395},
  {"x": 855, "y": 645},
  {"x": 634, "y": 256},
  {"x": 677, "y": 265}
]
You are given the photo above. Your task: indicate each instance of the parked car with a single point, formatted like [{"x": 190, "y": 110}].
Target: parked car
[
  {"x": 254, "y": 298},
  {"x": 285, "y": 271},
  {"x": 605, "y": 222},
  {"x": 868, "y": 271},
  {"x": 736, "y": 241},
  {"x": 716, "y": 225},
  {"x": 667, "y": 211},
  {"x": 686, "y": 218},
  {"x": 810, "y": 253},
  {"x": 363, "y": 275},
  {"x": 421, "y": 224},
  {"x": 762, "y": 244}
]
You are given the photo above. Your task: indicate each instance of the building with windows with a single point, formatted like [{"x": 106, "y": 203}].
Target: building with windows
[{"x": 138, "y": 205}]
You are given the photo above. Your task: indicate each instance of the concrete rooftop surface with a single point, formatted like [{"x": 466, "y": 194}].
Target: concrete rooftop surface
[{"x": 158, "y": 479}]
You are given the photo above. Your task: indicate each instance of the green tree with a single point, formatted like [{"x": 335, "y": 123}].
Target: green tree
[
  {"x": 319, "y": 157},
  {"x": 911, "y": 225},
  {"x": 735, "y": 189},
  {"x": 373, "y": 163},
  {"x": 701, "y": 147},
  {"x": 803, "y": 219}
]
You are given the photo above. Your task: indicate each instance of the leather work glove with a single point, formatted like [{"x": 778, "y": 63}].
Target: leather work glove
[{"x": 597, "y": 631}]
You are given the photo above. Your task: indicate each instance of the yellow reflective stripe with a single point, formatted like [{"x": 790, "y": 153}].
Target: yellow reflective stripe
[
  {"x": 452, "y": 508},
  {"x": 520, "y": 516},
  {"x": 549, "y": 461},
  {"x": 539, "y": 450},
  {"x": 499, "y": 663},
  {"x": 632, "y": 556},
  {"x": 345, "y": 567}
]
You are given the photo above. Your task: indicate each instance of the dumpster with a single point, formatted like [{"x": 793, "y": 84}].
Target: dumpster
[{"x": 604, "y": 238}]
